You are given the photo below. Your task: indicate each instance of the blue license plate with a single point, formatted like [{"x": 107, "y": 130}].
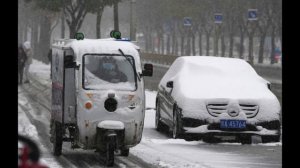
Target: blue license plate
[{"x": 233, "y": 124}]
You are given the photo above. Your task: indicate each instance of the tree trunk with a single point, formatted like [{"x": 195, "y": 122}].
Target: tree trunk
[
  {"x": 250, "y": 57},
  {"x": 98, "y": 23},
  {"x": 116, "y": 16},
  {"x": 231, "y": 45},
  {"x": 25, "y": 31},
  {"x": 62, "y": 24},
  {"x": 162, "y": 44},
  {"x": 173, "y": 43},
  {"x": 34, "y": 39},
  {"x": 168, "y": 44},
  {"x": 273, "y": 46},
  {"x": 216, "y": 43},
  {"x": 223, "y": 46},
  {"x": 261, "y": 47},
  {"x": 182, "y": 45},
  {"x": 45, "y": 37},
  {"x": 241, "y": 50},
  {"x": 193, "y": 44},
  {"x": 152, "y": 43},
  {"x": 207, "y": 43},
  {"x": 176, "y": 45},
  {"x": 188, "y": 46},
  {"x": 158, "y": 43},
  {"x": 200, "y": 43},
  {"x": 146, "y": 35},
  {"x": 157, "y": 47},
  {"x": 20, "y": 32}
]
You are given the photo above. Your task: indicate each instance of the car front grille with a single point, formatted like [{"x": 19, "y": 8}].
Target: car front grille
[
  {"x": 215, "y": 109},
  {"x": 249, "y": 109}
]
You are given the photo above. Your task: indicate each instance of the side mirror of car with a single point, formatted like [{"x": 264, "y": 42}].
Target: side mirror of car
[
  {"x": 148, "y": 70},
  {"x": 269, "y": 85},
  {"x": 170, "y": 84},
  {"x": 77, "y": 66}
]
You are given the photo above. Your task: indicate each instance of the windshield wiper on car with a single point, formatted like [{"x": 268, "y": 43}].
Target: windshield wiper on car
[{"x": 127, "y": 58}]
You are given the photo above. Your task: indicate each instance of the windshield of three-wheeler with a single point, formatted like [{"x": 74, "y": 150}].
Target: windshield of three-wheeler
[{"x": 108, "y": 72}]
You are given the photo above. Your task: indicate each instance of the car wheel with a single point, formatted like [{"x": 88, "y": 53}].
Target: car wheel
[
  {"x": 267, "y": 139},
  {"x": 210, "y": 139},
  {"x": 245, "y": 139},
  {"x": 158, "y": 124},
  {"x": 176, "y": 127},
  {"x": 124, "y": 152}
]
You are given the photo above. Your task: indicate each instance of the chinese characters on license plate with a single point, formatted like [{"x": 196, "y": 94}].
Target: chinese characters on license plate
[{"x": 233, "y": 123}]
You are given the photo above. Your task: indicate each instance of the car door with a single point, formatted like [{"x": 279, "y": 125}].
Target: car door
[{"x": 166, "y": 105}]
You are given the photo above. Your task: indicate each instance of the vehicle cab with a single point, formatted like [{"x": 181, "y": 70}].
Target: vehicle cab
[{"x": 98, "y": 91}]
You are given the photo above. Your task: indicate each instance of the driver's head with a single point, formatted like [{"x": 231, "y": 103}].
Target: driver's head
[{"x": 109, "y": 66}]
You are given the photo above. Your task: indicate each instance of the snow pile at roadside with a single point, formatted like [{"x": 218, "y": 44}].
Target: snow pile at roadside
[
  {"x": 41, "y": 70},
  {"x": 27, "y": 129}
]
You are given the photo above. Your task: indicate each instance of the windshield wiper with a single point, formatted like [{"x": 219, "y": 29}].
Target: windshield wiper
[{"x": 127, "y": 58}]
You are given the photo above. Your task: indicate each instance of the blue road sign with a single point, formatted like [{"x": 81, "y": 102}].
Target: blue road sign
[
  {"x": 187, "y": 21},
  {"x": 218, "y": 17},
  {"x": 252, "y": 14}
]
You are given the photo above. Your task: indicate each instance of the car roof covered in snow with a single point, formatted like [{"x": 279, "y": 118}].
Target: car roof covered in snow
[
  {"x": 199, "y": 77},
  {"x": 98, "y": 46}
]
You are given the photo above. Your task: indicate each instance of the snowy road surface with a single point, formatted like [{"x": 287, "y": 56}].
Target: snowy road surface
[{"x": 155, "y": 150}]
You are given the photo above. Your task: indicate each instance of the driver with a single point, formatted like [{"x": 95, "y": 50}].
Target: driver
[{"x": 109, "y": 71}]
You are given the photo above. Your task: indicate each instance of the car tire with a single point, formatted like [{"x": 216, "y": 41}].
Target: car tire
[
  {"x": 124, "y": 152},
  {"x": 246, "y": 140},
  {"x": 268, "y": 139},
  {"x": 210, "y": 139},
  {"x": 57, "y": 138},
  {"x": 158, "y": 123},
  {"x": 176, "y": 130}
]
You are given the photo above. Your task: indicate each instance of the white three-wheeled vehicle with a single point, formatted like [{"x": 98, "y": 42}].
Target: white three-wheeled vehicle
[{"x": 98, "y": 97}]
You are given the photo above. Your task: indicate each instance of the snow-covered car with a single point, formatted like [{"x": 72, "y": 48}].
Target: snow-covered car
[{"x": 213, "y": 98}]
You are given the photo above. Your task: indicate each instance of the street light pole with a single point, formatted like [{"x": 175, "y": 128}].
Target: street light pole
[
  {"x": 132, "y": 20},
  {"x": 116, "y": 16}
]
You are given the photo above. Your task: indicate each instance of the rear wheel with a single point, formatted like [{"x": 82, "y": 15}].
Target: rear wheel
[
  {"x": 245, "y": 139},
  {"x": 57, "y": 138},
  {"x": 210, "y": 139},
  {"x": 158, "y": 124},
  {"x": 267, "y": 139},
  {"x": 124, "y": 152}
]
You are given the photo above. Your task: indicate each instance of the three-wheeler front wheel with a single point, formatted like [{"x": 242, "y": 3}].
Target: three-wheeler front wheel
[
  {"x": 109, "y": 154},
  {"x": 124, "y": 152}
]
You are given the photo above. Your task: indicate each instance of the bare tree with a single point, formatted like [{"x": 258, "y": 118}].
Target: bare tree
[
  {"x": 241, "y": 22},
  {"x": 264, "y": 23}
]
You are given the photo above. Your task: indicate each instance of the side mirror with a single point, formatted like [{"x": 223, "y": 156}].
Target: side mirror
[
  {"x": 68, "y": 62},
  {"x": 77, "y": 66},
  {"x": 170, "y": 84},
  {"x": 148, "y": 70},
  {"x": 269, "y": 85}
]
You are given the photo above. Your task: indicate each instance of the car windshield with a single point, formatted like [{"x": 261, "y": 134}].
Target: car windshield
[{"x": 108, "y": 72}]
